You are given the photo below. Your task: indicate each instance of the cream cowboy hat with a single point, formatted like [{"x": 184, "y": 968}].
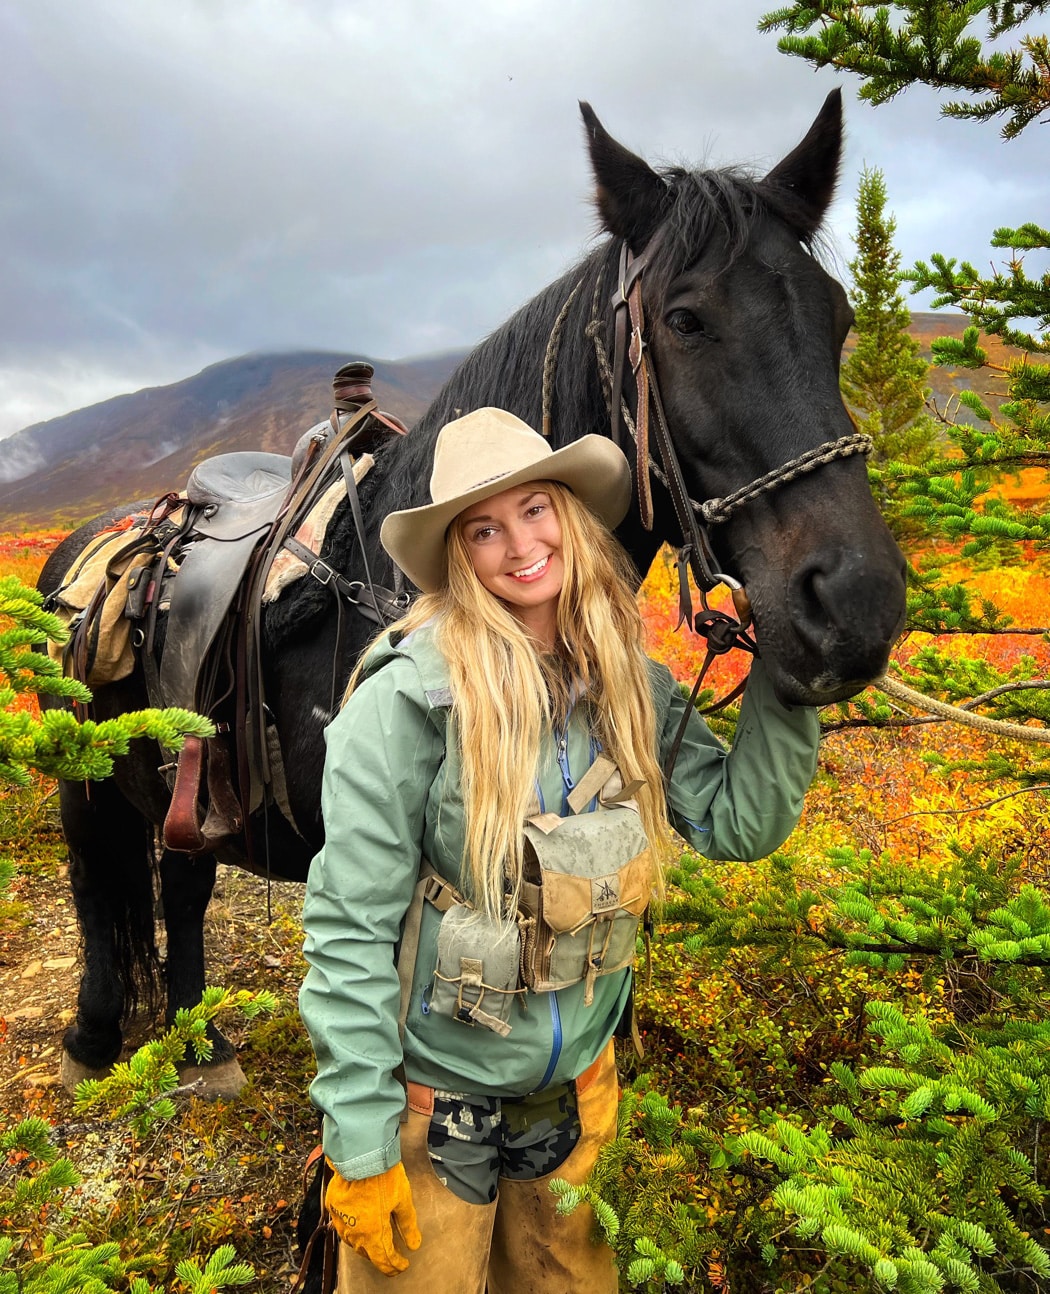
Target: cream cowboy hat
[{"x": 484, "y": 453}]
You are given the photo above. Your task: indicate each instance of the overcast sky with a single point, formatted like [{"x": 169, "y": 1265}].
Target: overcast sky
[{"x": 182, "y": 181}]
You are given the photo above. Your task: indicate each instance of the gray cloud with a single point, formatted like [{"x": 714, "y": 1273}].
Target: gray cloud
[{"x": 184, "y": 182}]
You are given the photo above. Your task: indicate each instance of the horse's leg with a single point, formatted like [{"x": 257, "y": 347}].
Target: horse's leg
[
  {"x": 110, "y": 870},
  {"x": 186, "y": 885}
]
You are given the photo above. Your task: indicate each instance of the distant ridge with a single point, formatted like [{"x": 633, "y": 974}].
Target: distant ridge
[
  {"x": 139, "y": 446},
  {"x": 63, "y": 471}
]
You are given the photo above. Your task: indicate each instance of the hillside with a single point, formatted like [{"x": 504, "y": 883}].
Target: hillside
[
  {"x": 946, "y": 382},
  {"x": 140, "y": 446}
]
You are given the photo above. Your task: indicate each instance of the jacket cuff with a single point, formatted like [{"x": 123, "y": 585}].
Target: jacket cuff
[{"x": 370, "y": 1164}]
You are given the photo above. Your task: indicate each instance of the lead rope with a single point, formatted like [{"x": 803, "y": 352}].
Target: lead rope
[
  {"x": 718, "y": 510},
  {"x": 954, "y": 714},
  {"x": 723, "y": 634}
]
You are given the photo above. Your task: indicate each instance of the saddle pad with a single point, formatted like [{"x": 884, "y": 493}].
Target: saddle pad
[{"x": 286, "y": 568}]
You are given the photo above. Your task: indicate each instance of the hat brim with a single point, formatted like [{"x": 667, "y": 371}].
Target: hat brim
[{"x": 592, "y": 467}]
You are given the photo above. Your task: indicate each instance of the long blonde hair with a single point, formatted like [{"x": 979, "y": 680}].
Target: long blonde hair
[{"x": 506, "y": 693}]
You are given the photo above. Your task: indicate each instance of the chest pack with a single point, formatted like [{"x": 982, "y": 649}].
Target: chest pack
[{"x": 585, "y": 885}]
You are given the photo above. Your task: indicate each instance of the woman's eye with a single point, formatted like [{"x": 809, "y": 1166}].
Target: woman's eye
[
  {"x": 535, "y": 511},
  {"x": 486, "y": 532},
  {"x": 685, "y": 323}
]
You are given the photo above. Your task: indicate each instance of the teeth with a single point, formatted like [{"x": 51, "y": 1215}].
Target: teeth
[{"x": 531, "y": 570}]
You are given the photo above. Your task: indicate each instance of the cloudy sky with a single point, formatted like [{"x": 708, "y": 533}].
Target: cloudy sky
[{"x": 186, "y": 180}]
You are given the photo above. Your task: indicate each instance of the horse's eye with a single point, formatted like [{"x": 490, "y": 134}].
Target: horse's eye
[{"x": 685, "y": 324}]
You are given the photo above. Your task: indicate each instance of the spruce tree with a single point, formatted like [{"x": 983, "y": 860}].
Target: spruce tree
[
  {"x": 44, "y": 1250},
  {"x": 931, "y": 43},
  {"x": 930, "y": 1173},
  {"x": 884, "y": 379},
  {"x": 57, "y": 743}
]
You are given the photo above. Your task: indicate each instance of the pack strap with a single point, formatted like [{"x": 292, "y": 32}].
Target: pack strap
[
  {"x": 591, "y": 783},
  {"x": 430, "y": 888}
]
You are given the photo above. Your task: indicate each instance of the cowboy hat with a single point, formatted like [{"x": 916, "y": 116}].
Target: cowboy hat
[{"x": 484, "y": 453}]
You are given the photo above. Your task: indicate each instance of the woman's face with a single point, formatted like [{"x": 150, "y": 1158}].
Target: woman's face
[{"x": 515, "y": 547}]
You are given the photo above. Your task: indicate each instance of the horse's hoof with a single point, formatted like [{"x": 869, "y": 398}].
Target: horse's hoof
[
  {"x": 72, "y": 1072},
  {"x": 221, "y": 1082}
]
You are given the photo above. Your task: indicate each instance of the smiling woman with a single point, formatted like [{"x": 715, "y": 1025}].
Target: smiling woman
[
  {"x": 513, "y": 541},
  {"x": 476, "y": 936}
]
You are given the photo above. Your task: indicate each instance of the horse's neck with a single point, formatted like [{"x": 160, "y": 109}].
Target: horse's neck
[{"x": 507, "y": 369}]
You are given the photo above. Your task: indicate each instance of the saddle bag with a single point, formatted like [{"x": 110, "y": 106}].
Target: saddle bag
[{"x": 586, "y": 884}]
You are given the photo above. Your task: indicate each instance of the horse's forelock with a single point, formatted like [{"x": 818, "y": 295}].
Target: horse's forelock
[{"x": 719, "y": 208}]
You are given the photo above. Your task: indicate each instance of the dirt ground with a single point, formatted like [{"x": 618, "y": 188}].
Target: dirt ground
[{"x": 220, "y": 1172}]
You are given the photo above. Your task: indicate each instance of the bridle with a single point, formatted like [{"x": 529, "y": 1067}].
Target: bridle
[{"x": 696, "y": 554}]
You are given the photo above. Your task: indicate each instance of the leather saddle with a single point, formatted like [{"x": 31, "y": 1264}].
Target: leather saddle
[
  {"x": 238, "y": 511},
  {"x": 232, "y": 501}
]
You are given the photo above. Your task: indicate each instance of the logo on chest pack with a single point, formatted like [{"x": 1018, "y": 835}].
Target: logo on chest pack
[{"x": 605, "y": 893}]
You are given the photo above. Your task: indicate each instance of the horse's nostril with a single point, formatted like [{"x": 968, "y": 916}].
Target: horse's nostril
[
  {"x": 812, "y": 603},
  {"x": 837, "y": 599}
]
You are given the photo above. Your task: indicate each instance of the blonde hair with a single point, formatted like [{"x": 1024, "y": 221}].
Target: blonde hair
[{"x": 506, "y": 693}]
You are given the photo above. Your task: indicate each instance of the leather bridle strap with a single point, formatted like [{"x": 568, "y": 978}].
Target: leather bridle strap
[
  {"x": 697, "y": 549},
  {"x": 627, "y": 305},
  {"x": 721, "y": 631}
]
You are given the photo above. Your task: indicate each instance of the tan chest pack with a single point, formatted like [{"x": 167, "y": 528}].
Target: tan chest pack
[{"x": 586, "y": 883}]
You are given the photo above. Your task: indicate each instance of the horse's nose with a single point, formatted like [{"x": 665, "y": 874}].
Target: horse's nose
[{"x": 840, "y": 599}]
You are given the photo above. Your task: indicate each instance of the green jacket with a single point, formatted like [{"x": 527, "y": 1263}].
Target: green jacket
[{"x": 391, "y": 793}]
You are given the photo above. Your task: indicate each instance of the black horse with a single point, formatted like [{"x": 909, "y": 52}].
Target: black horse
[{"x": 744, "y": 332}]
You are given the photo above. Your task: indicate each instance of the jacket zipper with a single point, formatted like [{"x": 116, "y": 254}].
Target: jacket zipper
[
  {"x": 563, "y": 764},
  {"x": 552, "y": 1064}
]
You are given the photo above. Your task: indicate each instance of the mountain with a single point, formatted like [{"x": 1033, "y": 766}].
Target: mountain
[
  {"x": 948, "y": 382},
  {"x": 139, "y": 446}
]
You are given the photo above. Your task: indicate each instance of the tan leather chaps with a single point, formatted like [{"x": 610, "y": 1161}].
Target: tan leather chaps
[{"x": 517, "y": 1244}]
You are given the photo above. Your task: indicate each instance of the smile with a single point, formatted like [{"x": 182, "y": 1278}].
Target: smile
[{"x": 530, "y": 571}]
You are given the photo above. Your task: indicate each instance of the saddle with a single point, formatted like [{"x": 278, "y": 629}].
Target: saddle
[
  {"x": 232, "y": 500},
  {"x": 189, "y": 579}
]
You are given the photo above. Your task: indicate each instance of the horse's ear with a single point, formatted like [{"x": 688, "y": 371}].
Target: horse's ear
[
  {"x": 810, "y": 171},
  {"x": 631, "y": 198}
]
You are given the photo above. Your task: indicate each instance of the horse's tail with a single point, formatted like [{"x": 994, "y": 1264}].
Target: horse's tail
[
  {"x": 134, "y": 930},
  {"x": 112, "y": 869}
]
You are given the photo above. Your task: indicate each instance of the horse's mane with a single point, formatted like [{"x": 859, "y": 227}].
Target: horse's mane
[{"x": 722, "y": 204}]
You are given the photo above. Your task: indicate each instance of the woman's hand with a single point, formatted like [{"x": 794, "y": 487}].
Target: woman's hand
[{"x": 363, "y": 1213}]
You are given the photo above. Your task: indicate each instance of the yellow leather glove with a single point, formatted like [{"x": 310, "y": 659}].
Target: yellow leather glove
[{"x": 362, "y": 1212}]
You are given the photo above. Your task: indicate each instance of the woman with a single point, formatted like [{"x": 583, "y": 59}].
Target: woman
[{"x": 494, "y": 804}]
